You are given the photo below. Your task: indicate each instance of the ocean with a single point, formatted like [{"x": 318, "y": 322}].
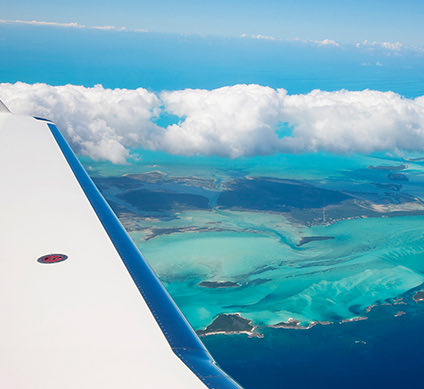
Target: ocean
[
  {"x": 351, "y": 291},
  {"x": 323, "y": 253}
]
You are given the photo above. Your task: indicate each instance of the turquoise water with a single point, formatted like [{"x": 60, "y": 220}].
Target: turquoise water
[
  {"x": 372, "y": 261},
  {"x": 370, "y": 269},
  {"x": 374, "y": 257},
  {"x": 369, "y": 260}
]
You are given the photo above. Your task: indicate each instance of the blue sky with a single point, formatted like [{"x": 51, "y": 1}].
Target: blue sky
[
  {"x": 344, "y": 21},
  {"x": 333, "y": 54}
]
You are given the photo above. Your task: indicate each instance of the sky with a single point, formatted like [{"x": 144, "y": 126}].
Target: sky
[
  {"x": 346, "y": 21},
  {"x": 231, "y": 79}
]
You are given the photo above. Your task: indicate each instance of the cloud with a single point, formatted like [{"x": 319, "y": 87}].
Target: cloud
[
  {"x": 326, "y": 42},
  {"x": 109, "y": 28},
  {"x": 233, "y": 121},
  {"x": 70, "y": 25},
  {"x": 243, "y": 120},
  {"x": 391, "y": 46},
  {"x": 264, "y": 37},
  {"x": 43, "y": 23},
  {"x": 261, "y": 37},
  {"x": 319, "y": 43},
  {"x": 101, "y": 123},
  {"x": 345, "y": 122}
]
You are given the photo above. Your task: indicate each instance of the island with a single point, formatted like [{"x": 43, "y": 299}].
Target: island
[
  {"x": 419, "y": 296},
  {"x": 358, "y": 318},
  {"x": 371, "y": 307},
  {"x": 308, "y": 239},
  {"x": 219, "y": 284},
  {"x": 228, "y": 324},
  {"x": 294, "y": 324},
  {"x": 399, "y": 313}
]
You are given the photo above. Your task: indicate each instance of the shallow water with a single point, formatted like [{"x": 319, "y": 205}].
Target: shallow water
[
  {"x": 370, "y": 260},
  {"x": 372, "y": 254},
  {"x": 367, "y": 260}
]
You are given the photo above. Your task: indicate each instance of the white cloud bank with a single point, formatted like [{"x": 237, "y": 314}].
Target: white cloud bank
[
  {"x": 101, "y": 123},
  {"x": 320, "y": 43},
  {"x": 234, "y": 121},
  {"x": 393, "y": 46}
]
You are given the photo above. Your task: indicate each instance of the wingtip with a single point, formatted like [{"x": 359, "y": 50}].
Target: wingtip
[{"x": 3, "y": 108}]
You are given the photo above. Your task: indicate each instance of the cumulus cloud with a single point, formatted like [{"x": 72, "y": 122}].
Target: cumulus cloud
[
  {"x": 391, "y": 46},
  {"x": 320, "y": 43},
  {"x": 326, "y": 42},
  {"x": 233, "y": 121},
  {"x": 265, "y": 37},
  {"x": 230, "y": 121},
  {"x": 345, "y": 121},
  {"x": 101, "y": 123},
  {"x": 243, "y": 119}
]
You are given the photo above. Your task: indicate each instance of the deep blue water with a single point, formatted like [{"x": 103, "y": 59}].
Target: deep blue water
[
  {"x": 168, "y": 62},
  {"x": 333, "y": 356}
]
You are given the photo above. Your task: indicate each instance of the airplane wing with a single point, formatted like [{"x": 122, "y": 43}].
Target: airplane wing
[{"x": 80, "y": 307}]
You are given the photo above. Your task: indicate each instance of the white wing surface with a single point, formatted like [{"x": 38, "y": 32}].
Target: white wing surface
[{"x": 80, "y": 307}]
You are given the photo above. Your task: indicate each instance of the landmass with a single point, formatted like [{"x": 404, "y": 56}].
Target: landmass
[
  {"x": 369, "y": 309},
  {"x": 399, "y": 301},
  {"x": 308, "y": 239},
  {"x": 396, "y": 301},
  {"x": 160, "y": 201},
  {"x": 419, "y": 296},
  {"x": 228, "y": 324},
  {"x": 360, "y": 342},
  {"x": 399, "y": 313},
  {"x": 358, "y": 318},
  {"x": 219, "y": 284},
  {"x": 294, "y": 324},
  {"x": 155, "y": 232},
  {"x": 156, "y": 194},
  {"x": 274, "y": 194},
  {"x": 158, "y": 177}
]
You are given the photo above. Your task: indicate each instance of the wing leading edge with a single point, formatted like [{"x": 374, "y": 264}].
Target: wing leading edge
[{"x": 80, "y": 322}]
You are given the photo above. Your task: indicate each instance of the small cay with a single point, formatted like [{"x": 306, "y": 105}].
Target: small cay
[
  {"x": 229, "y": 323},
  {"x": 294, "y": 324},
  {"x": 219, "y": 284},
  {"x": 419, "y": 296}
]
